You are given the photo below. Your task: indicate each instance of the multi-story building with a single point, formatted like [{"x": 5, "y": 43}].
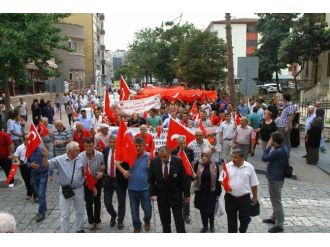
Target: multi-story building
[
  {"x": 244, "y": 36},
  {"x": 72, "y": 63},
  {"x": 118, "y": 58},
  {"x": 94, "y": 46},
  {"x": 108, "y": 65}
]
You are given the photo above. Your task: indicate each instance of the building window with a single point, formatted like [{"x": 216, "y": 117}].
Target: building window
[
  {"x": 251, "y": 29},
  {"x": 251, "y": 43},
  {"x": 70, "y": 43},
  {"x": 103, "y": 69},
  {"x": 70, "y": 76}
]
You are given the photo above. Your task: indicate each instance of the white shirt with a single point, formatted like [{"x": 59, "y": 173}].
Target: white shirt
[
  {"x": 227, "y": 130},
  {"x": 241, "y": 179},
  {"x": 96, "y": 123},
  {"x": 22, "y": 108},
  {"x": 20, "y": 152}
]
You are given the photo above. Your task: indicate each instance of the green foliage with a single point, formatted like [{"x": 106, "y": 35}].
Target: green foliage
[
  {"x": 202, "y": 58},
  {"x": 27, "y": 38},
  {"x": 308, "y": 39},
  {"x": 273, "y": 28}
]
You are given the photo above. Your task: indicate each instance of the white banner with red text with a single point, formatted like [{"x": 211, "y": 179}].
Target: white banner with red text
[{"x": 139, "y": 106}]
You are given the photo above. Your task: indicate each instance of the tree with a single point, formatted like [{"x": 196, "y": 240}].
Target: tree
[
  {"x": 24, "y": 39},
  {"x": 273, "y": 28},
  {"x": 308, "y": 39},
  {"x": 202, "y": 58}
]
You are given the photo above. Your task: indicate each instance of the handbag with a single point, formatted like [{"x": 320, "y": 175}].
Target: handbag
[
  {"x": 254, "y": 209},
  {"x": 288, "y": 169},
  {"x": 67, "y": 190}
]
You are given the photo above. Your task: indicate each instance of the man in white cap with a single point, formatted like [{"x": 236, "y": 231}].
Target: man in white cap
[{"x": 101, "y": 139}]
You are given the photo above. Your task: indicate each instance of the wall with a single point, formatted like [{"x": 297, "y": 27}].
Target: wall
[
  {"x": 238, "y": 39},
  {"x": 85, "y": 20}
]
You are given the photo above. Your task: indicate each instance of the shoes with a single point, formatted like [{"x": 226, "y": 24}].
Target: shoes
[
  {"x": 252, "y": 154},
  {"x": 323, "y": 150},
  {"x": 147, "y": 226},
  {"x": 40, "y": 217},
  {"x": 270, "y": 220},
  {"x": 98, "y": 226},
  {"x": 204, "y": 229},
  {"x": 305, "y": 156},
  {"x": 81, "y": 231},
  {"x": 187, "y": 219},
  {"x": 36, "y": 200},
  {"x": 212, "y": 229},
  {"x": 113, "y": 221},
  {"x": 11, "y": 186},
  {"x": 137, "y": 230},
  {"x": 91, "y": 226},
  {"x": 275, "y": 229},
  {"x": 120, "y": 225},
  {"x": 28, "y": 197}
]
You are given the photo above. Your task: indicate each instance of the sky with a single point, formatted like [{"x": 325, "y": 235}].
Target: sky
[{"x": 119, "y": 35}]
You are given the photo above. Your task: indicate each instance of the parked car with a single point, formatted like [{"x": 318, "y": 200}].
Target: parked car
[{"x": 271, "y": 87}]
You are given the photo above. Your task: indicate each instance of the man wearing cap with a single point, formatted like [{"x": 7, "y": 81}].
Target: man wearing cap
[{"x": 101, "y": 139}]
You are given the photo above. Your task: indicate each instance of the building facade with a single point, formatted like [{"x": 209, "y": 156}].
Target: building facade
[
  {"x": 72, "y": 63},
  {"x": 244, "y": 36},
  {"x": 94, "y": 47}
]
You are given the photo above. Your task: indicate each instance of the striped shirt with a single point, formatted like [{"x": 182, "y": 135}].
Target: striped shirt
[
  {"x": 198, "y": 148},
  {"x": 95, "y": 163},
  {"x": 63, "y": 136}
]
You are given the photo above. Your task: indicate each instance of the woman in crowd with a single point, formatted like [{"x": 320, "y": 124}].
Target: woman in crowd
[
  {"x": 314, "y": 137},
  {"x": 267, "y": 126},
  {"x": 207, "y": 189},
  {"x": 135, "y": 121},
  {"x": 69, "y": 110}
]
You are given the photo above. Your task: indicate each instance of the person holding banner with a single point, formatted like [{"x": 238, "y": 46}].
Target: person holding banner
[
  {"x": 207, "y": 189},
  {"x": 6, "y": 154},
  {"x": 181, "y": 140},
  {"x": 94, "y": 160}
]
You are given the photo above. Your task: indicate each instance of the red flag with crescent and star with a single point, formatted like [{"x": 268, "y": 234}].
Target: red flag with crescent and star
[
  {"x": 125, "y": 148},
  {"x": 225, "y": 177},
  {"x": 186, "y": 163},
  {"x": 90, "y": 180},
  {"x": 12, "y": 172},
  {"x": 42, "y": 129},
  {"x": 34, "y": 141},
  {"x": 174, "y": 130},
  {"x": 124, "y": 89}
]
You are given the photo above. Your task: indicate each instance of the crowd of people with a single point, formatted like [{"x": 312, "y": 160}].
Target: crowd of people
[{"x": 88, "y": 146}]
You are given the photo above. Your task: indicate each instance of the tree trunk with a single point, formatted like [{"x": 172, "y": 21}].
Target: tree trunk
[
  {"x": 231, "y": 81},
  {"x": 315, "y": 70},
  {"x": 7, "y": 104}
]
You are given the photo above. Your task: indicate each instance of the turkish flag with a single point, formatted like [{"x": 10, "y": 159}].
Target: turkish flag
[
  {"x": 225, "y": 177},
  {"x": 152, "y": 150},
  {"x": 107, "y": 109},
  {"x": 237, "y": 118},
  {"x": 125, "y": 148},
  {"x": 12, "y": 172},
  {"x": 124, "y": 89},
  {"x": 194, "y": 110},
  {"x": 90, "y": 180},
  {"x": 101, "y": 145},
  {"x": 174, "y": 130},
  {"x": 33, "y": 141},
  {"x": 159, "y": 130},
  {"x": 201, "y": 126},
  {"x": 42, "y": 129},
  {"x": 186, "y": 163}
]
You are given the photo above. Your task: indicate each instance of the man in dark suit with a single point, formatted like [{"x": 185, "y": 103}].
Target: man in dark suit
[
  {"x": 113, "y": 180},
  {"x": 167, "y": 183},
  {"x": 181, "y": 140}
]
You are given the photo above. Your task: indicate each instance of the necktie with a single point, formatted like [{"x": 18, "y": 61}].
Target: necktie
[
  {"x": 165, "y": 171},
  {"x": 112, "y": 164}
]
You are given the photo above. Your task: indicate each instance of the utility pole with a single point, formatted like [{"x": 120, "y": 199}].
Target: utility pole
[{"x": 230, "y": 66}]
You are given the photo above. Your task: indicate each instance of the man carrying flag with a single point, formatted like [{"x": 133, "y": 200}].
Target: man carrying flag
[
  {"x": 39, "y": 172},
  {"x": 94, "y": 168},
  {"x": 187, "y": 156},
  {"x": 174, "y": 130},
  {"x": 101, "y": 139},
  {"x": 6, "y": 154}
]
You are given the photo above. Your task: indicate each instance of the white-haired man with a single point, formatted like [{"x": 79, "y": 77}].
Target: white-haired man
[
  {"x": 7, "y": 223},
  {"x": 71, "y": 172}
]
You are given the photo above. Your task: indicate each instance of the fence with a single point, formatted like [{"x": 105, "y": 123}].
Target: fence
[{"x": 304, "y": 105}]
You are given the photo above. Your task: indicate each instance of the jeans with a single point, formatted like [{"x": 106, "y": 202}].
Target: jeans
[
  {"x": 65, "y": 208},
  {"x": 275, "y": 189},
  {"x": 135, "y": 198},
  {"x": 39, "y": 183},
  {"x": 93, "y": 204},
  {"x": 322, "y": 144}
]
